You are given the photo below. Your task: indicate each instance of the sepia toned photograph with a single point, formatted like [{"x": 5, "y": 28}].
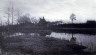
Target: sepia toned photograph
[{"x": 47, "y": 27}]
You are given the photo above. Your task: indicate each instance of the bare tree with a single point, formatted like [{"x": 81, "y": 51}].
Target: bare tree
[
  {"x": 12, "y": 11},
  {"x": 9, "y": 11},
  {"x": 73, "y": 17},
  {"x": 8, "y": 14},
  {"x": 19, "y": 14}
]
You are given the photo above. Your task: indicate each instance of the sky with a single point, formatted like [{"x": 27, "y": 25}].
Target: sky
[{"x": 55, "y": 10}]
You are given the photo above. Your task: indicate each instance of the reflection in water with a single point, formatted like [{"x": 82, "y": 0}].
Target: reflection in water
[
  {"x": 73, "y": 39},
  {"x": 82, "y": 39}
]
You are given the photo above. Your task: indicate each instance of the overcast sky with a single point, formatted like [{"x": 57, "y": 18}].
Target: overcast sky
[{"x": 54, "y": 10}]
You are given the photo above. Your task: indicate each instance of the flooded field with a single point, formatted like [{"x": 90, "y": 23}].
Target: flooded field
[{"x": 46, "y": 44}]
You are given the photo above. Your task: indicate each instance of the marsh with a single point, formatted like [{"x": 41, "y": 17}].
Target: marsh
[{"x": 53, "y": 43}]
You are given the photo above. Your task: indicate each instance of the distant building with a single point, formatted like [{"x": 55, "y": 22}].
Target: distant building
[
  {"x": 42, "y": 22},
  {"x": 91, "y": 22}
]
